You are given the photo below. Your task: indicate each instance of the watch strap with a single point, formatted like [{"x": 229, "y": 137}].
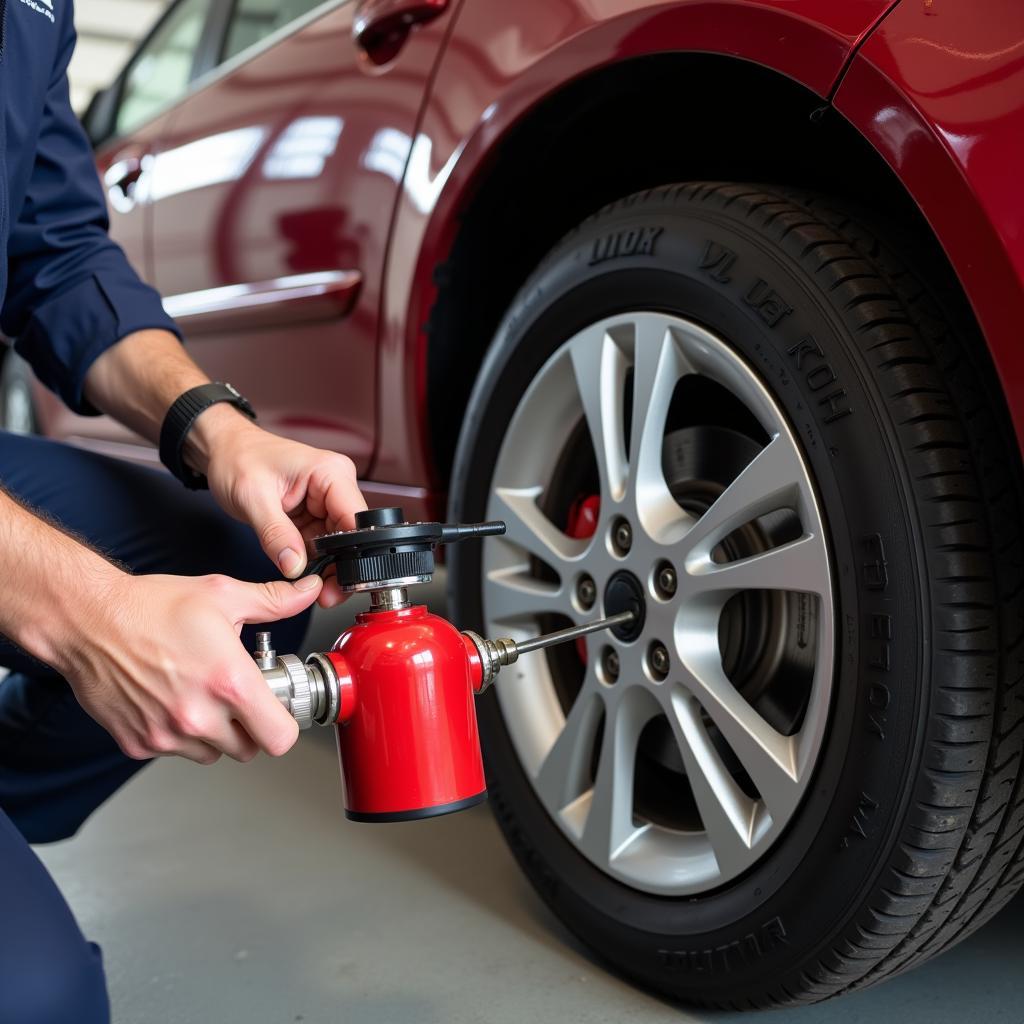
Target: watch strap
[{"x": 179, "y": 421}]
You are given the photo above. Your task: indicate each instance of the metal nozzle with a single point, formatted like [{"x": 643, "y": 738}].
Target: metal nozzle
[{"x": 494, "y": 654}]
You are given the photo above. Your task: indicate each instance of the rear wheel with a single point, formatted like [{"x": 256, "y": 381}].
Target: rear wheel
[{"x": 738, "y": 408}]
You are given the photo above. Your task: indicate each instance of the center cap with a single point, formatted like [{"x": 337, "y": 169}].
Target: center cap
[{"x": 625, "y": 594}]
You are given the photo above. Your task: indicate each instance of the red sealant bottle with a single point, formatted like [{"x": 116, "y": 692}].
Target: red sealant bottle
[{"x": 399, "y": 684}]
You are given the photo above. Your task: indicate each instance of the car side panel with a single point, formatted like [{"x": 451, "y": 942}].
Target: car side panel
[
  {"x": 272, "y": 200},
  {"x": 493, "y": 71},
  {"x": 938, "y": 89}
]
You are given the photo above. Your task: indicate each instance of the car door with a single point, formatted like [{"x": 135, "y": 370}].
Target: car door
[
  {"x": 138, "y": 112},
  {"x": 272, "y": 200}
]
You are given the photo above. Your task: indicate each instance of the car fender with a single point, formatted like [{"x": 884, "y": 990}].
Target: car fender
[
  {"x": 493, "y": 71},
  {"x": 938, "y": 90}
]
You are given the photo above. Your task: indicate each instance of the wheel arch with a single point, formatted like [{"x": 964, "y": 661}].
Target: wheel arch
[
  {"x": 498, "y": 77},
  {"x": 541, "y": 156},
  {"x": 949, "y": 128},
  {"x": 581, "y": 148}
]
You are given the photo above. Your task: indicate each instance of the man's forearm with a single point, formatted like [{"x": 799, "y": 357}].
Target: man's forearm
[
  {"x": 138, "y": 379},
  {"x": 53, "y": 584}
]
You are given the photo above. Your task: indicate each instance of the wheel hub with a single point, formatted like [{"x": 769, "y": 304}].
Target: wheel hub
[{"x": 625, "y": 594}]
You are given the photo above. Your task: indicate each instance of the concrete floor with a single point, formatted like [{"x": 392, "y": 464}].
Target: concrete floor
[{"x": 241, "y": 894}]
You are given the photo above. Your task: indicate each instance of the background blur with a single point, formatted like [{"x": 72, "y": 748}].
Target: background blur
[{"x": 107, "y": 33}]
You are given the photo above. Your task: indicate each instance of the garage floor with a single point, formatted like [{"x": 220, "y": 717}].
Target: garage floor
[{"x": 241, "y": 894}]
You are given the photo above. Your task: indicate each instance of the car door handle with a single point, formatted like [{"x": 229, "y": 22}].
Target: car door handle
[
  {"x": 380, "y": 27},
  {"x": 121, "y": 177}
]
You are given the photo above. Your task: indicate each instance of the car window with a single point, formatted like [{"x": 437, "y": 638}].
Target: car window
[
  {"x": 253, "y": 20},
  {"x": 161, "y": 71}
]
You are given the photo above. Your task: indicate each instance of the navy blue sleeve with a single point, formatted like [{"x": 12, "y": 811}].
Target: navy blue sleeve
[{"x": 71, "y": 293}]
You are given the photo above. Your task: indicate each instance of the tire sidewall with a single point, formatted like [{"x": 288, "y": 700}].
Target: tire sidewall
[{"x": 796, "y": 901}]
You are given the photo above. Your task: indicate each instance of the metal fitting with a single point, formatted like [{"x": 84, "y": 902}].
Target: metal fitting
[
  {"x": 390, "y": 598},
  {"x": 494, "y": 654},
  {"x": 309, "y": 692},
  {"x": 610, "y": 664},
  {"x": 622, "y": 537},
  {"x": 326, "y": 689},
  {"x": 665, "y": 581},
  {"x": 289, "y": 682},
  {"x": 264, "y": 654},
  {"x": 659, "y": 660},
  {"x": 372, "y": 586}
]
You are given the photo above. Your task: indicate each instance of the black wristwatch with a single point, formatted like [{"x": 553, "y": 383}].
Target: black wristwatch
[{"x": 178, "y": 422}]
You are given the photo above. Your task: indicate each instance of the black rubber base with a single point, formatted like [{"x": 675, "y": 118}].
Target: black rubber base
[{"x": 420, "y": 812}]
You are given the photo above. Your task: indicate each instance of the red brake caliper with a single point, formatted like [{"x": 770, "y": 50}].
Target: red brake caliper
[{"x": 583, "y": 514}]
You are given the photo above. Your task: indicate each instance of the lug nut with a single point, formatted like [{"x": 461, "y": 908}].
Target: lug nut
[
  {"x": 657, "y": 656},
  {"x": 610, "y": 664},
  {"x": 622, "y": 537},
  {"x": 665, "y": 581},
  {"x": 586, "y": 592}
]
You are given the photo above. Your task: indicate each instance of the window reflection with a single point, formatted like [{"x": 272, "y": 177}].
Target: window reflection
[
  {"x": 303, "y": 148},
  {"x": 387, "y": 153},
  {"x": 213, "y": 160}
]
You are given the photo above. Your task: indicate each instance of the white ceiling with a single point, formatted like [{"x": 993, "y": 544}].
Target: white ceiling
[{"x": 107, "y": 33}]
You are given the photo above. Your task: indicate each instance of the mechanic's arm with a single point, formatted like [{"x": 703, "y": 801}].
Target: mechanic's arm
[
  {"x": 154, "y": 659},
  {"x": 99, "y": 337},
  {"x": 288, "y": 492}
]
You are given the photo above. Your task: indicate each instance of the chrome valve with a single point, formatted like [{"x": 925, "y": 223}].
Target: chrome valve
[{"x": 308, "y": 692}]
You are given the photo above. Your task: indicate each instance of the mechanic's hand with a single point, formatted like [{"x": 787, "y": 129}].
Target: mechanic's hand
[
  {"x": 162, "y": 668},
  {"x": 288, "y": 492}
]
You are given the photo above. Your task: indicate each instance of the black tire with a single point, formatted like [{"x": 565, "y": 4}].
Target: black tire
[
  {"x": 911, "y": 835},
  {"x": 17, "y": 411}
]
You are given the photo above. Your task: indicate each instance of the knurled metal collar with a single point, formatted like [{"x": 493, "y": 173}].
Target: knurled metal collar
[{"x": 300, "y": 692}]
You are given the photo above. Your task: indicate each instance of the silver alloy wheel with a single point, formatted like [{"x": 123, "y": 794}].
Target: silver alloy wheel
[{"x": 582, "y": 760}]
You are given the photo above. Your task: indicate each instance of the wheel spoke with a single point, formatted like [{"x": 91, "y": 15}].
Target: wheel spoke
[
  {"x": 564, "y": 775},
  {"x": 657, "y": 366},
  {"x": 609, "y": 827},
  {"x": 600, "y": 367},
  {"x": 768, "y": 756},
  {"x": 773, "y": 480},
  {"x": 514, "y": 596},
  {"x": 800, "y": 566},
  {"x": 727, "y": 813},
  {"x": 531, "y": 530}
]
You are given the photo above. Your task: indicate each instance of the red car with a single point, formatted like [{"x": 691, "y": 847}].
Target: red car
[{"x": 716, "y": 301}]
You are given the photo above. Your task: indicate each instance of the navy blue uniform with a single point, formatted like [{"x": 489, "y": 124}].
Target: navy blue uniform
[{"x": 68, "y": 294}]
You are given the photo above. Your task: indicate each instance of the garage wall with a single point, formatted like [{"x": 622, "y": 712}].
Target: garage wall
[{"x": 107, "y": 33}]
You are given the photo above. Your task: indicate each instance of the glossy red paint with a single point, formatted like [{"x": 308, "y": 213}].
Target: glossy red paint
[
  {"x": 583, "y": 516},
  {"x": 409, "y": 743},
  {"x": 346, "y": 687},
  {"x": 289, "y": 164},
  {"x": 938, "y": 90},
  {"x": 326, "y": 154},
  {"x": 491, "y": 75}
]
